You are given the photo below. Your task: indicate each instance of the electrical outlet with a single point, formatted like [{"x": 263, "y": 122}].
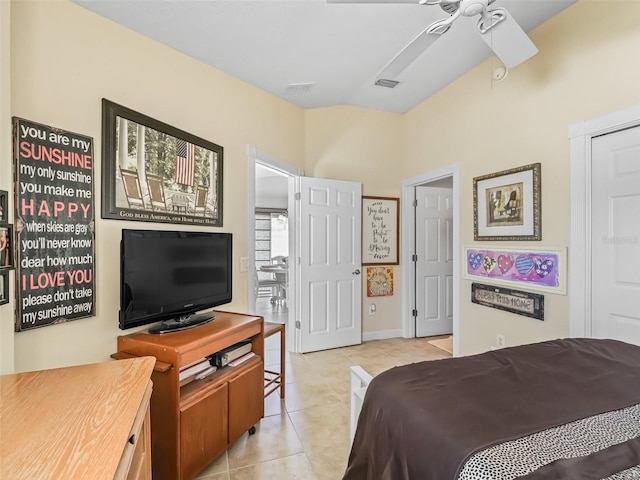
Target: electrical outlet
[
  {"x": 500, "y": 341},
  {"x": 244, "y": 264}
]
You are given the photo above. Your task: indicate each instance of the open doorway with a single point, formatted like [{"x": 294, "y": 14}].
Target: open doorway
[
  {"x": 431, "y": 281},
  {"x": 270, "y": 206},
  {"x": 271, "y": 244}
]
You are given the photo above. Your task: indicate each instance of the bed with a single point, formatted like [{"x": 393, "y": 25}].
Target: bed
[{"x": 561, "y": 409}]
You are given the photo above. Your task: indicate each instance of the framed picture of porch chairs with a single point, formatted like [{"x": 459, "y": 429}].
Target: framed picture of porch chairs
[{"x": 154, "y": 172}]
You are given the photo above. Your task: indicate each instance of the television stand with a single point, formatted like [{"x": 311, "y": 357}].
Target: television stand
[
  {"x": 193, "y": 424},
  {"x": 183, "y": 322}
]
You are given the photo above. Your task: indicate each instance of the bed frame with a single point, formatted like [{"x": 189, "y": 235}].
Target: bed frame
[
  {"x": 616, "y": 365},
  {"x": 359, "y": 382}
]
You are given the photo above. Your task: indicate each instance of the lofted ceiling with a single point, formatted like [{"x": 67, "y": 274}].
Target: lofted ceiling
[{"x": 317, "y": 54}]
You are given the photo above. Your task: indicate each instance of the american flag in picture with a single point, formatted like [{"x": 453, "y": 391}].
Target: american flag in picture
[{"x": 185, "y": 162}]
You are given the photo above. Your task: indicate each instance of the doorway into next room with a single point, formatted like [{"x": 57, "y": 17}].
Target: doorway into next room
[
  {"x": 271, "y": 245},
  {"x": 430, "y": 230},
  {"x": 433, "y": 255}
]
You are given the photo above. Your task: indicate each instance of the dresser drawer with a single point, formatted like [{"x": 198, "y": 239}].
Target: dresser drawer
[{"x": 135, "y": 463}]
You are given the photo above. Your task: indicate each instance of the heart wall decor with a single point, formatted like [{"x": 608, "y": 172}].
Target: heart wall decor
[
  {"x": 505, "y": 263},
  {"x": 544, "y": 267},
  {"x": 523, "y": 264},
  {"x": 538, "y": 269},
  {"x": 489, "y": 264},
  {"x": 475, "y": 260}
]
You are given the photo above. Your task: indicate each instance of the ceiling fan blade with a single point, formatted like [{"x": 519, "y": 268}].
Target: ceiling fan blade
[
  {"x": 509, "y": 42},
  {"x": 414, "y": 49}
]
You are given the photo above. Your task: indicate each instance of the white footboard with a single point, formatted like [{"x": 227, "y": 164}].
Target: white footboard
[{"x": 359, "y": 382}]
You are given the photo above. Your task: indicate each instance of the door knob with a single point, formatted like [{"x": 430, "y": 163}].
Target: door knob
[{"x": 356, "y": 272}]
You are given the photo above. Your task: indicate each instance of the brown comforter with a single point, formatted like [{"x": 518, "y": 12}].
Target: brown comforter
[{"x": 422, "y": 421}]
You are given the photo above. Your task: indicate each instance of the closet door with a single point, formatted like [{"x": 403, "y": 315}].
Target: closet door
[
  {"x": 616, "y": 235},
  {"x": 434, "y": 261}
]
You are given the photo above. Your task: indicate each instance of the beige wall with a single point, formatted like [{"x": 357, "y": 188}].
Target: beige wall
[
  {"x": 588, "y": 66},
  {"x": 6, "y": 321},
  {"x": 357, "y": 144},
  {"x": 65, "y": 59}
]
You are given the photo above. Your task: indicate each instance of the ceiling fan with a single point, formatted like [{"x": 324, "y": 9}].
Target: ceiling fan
[{"x": 495, "y": 26}]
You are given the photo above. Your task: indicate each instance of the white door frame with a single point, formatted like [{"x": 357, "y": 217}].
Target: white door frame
[
  {"x": 256, "y": 157},
  {"x": 580, "y": 135},
  {"x": 407, "y": 227}
]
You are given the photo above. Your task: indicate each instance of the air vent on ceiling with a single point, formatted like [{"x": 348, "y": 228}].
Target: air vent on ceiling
[
  {"x": 384, "y": 82},
  {"x": 298, "y": 88}
]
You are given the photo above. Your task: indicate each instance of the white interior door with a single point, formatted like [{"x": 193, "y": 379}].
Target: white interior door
[
  {"x": 434, "y": 261},
  {"x": 329, "y": 264},
  {"x": 616, "y": 235}
]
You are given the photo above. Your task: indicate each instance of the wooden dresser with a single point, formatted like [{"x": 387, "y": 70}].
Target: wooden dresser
[{"x": 77, "y": 423}]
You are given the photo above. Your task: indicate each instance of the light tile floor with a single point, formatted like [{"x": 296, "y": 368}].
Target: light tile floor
[{"x": 306, "y": 435}]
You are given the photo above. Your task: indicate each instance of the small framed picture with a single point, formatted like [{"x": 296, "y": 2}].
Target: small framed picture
[
  {"x": 4, "y": 287},
  {"x": 4, "y": 207},
  {"x": 6, "y": 247},
  {"x": 506, "y": 205}
]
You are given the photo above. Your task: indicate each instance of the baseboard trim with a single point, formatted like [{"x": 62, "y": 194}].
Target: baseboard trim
[{"x": 380, "y": 335}]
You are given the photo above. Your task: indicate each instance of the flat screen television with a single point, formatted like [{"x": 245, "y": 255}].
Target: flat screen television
[{"x": 172, "y": 276}]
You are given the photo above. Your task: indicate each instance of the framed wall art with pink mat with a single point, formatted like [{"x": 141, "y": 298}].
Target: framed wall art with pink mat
[{"x": 543, "y": 270}]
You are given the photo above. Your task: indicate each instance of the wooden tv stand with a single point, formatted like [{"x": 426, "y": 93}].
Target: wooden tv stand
[{"x": 193, "y": 424}]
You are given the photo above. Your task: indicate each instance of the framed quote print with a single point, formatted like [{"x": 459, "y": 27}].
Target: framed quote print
[{"x": 380, "y": 230}]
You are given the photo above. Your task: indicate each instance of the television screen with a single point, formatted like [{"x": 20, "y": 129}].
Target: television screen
[{"x": 171, "y": 275}]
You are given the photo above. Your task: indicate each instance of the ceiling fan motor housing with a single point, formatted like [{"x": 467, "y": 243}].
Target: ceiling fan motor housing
[{"x": 470, "y": 8}]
